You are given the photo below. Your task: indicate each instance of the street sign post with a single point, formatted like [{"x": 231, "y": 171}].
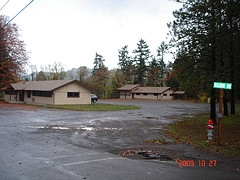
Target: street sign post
[{"x": 221, "y": 86}]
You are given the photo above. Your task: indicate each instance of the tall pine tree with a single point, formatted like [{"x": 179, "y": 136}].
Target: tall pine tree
[
  {"x": 98, "y": 63},
  {"x": 154, "y": 73},
  {"x": 100, "y": 77},
  {"x": 142, "y": 54},
  {"x": 126, "y": 64},
  {"x": 162, "y": 49}
]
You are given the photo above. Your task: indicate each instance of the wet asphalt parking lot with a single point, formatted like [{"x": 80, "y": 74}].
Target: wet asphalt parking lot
[{"x": 40, "y": 143}]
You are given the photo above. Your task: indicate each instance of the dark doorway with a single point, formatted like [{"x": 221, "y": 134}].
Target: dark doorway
[{"x": 21, "y": 95}]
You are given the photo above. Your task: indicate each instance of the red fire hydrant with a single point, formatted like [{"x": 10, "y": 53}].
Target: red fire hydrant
[{"x": 210, "y": 129}]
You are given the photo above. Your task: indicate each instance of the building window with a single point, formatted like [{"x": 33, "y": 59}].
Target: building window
[
  {"x": 42, "y": 93},
  {"x": 73, "y": 94},
  {"x": 164, "y": 94},
  {"x": 10, "y": 92},
  {"x": 145, "y": 94},
  {"x": 137, "y": 94},
  {"x": 155, "y": 94},
  {"x": 29, "y": 93}
]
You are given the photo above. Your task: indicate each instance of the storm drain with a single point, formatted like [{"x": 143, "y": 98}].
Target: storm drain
[
  {"x": 146, "y": 154},
  {"x": 149, "y": 155}
]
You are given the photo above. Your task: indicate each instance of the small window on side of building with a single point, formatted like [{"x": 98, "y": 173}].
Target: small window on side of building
[{"x": 73, "y": 95}]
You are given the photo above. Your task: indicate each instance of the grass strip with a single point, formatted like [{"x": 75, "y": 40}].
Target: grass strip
[
  {"x": 193, "y": 131},
  {"x": 93, "y": 107}
]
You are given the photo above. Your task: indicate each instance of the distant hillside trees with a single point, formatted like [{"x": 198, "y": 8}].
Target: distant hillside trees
[
  {"x": 55, "y": 71},
  {"x": 83, "y": 73}
]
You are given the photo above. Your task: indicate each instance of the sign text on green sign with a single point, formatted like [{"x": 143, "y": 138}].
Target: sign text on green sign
[{"x": 222, "y": 85}]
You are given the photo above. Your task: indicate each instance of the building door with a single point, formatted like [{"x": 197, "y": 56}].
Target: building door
[{"x": 21, "y": 95}]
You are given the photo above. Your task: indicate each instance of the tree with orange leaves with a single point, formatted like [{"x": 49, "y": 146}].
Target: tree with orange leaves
[{"x": 13, "y": 56}]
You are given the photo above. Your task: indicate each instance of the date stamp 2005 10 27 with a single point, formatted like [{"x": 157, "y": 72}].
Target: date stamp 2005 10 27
[{"x": 200, "y": 163}]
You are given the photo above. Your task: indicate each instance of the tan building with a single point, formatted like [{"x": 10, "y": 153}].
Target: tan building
[
  {"x": 136, "y": 92},
  {"x": 180, "y": 95},
  {"x": 161, "y": 93},
  {"x": 53, "y": 92},
  {"x": 125, "y": 92}
]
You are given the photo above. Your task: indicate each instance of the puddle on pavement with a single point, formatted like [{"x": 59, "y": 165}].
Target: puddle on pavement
[
  {"x": 75, "y": 128},
  {"x": 149, "y": 117}
]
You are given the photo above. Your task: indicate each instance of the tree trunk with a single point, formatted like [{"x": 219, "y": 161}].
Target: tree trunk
[
  {"x": 232, "y": 73},
  {"x": 225, "y": 104},
  {"x": 213, "y": 61},
  {"x": 232, "y": 100}
]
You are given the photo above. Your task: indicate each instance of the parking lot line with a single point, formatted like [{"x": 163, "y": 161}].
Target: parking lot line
[{"x": 95, "y": 160}]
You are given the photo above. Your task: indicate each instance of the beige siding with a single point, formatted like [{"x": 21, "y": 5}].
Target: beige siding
[
  {"x": 8, "y": 97},
  {"x": 125, "y": 94},
  {"x": 60, "y": 95},
  {"x": 164, "y": 96},
  {"x": 38, "y": 100}
]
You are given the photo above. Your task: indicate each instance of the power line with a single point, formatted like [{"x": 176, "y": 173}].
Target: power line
[
  {"x": 34, "y": 5},
  {"x": 18, "y": 13},
  {"x": 4, "y": 5}
]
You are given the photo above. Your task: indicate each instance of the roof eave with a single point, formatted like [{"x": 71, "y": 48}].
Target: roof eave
[{"x": 74, "y": 81}]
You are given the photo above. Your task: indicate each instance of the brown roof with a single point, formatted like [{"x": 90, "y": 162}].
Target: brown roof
[
  {"x": 128, "y": 87},
  {"x": 151, "y": 89},
  {"x": 179, "y": 92},
  {"x": 44, "y": 85}
]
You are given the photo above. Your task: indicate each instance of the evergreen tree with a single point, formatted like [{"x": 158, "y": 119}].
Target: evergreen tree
[
  {"x": 201, "y": 32},
  {"x": 154, "y": 73},
  {"x": 162, "y": 49},
  {"x": 100, "y": 77},
  {"x": 100, "y": 82},
  {"x": 98, "y": 63},
  {"x": 142, "y": 54},
  {"x": 231, "y": 30},
  {"x": 126, "y": 64},
  {"x": 124, "y": 58}
]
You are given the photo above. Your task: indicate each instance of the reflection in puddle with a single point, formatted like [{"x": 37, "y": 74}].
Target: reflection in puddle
[{"x": 74, "y": 128}]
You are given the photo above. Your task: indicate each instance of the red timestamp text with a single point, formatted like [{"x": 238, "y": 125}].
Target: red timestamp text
[{"x": 199, "y": 163}]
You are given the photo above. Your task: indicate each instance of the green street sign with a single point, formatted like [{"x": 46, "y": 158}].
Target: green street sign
[{"x": 222, "y": 85}]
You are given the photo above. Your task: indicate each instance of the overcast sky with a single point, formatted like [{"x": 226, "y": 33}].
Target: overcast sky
[{"x": 72, "y": 31}]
